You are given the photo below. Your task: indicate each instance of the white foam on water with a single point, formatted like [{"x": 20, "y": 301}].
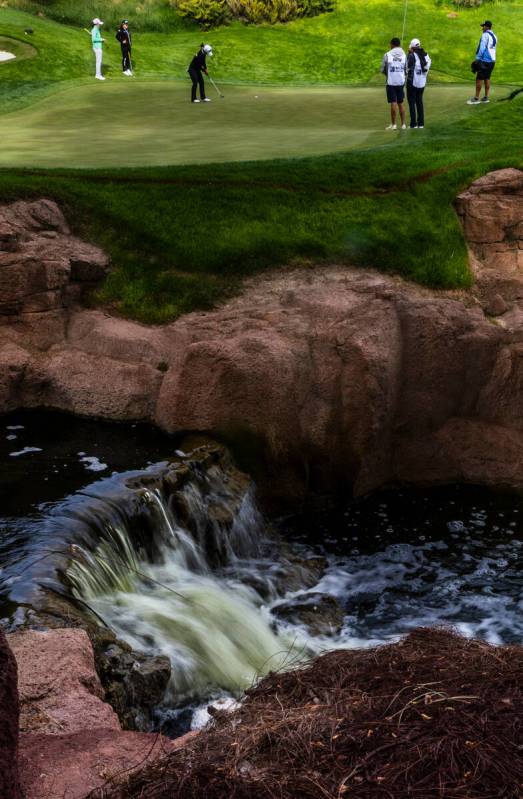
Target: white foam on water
[
  {"x": 25, "y": 451},
  {"x": 92, "y": 464}
]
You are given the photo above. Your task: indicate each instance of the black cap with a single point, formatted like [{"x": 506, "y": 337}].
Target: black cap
[
  {"x": 125, "y": 22},
  {"x": 486, "y": 24}
]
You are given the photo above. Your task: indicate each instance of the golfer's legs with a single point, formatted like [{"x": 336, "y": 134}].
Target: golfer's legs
[
  {"x": 401, "y": 107},
  {"x": 202, "y": 86},
  {"x": 393, "y": 112},
  {"x": 98, "y": 61},
  {"x": 487, "y": 87},
  {"x": 125, "y": 59},
  {"x": 411, "y": 97},
  {"x": 419, "y": 106},
  {"x": 193, "y": 74}
]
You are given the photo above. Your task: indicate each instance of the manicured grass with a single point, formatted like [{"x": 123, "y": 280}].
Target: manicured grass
[
  {"x": 182, "y": 237},
  {"x": 153, "y": 123}
]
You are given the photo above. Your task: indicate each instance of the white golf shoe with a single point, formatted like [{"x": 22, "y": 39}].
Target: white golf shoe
[
  {"x": 99, "y": 77},
  {"x": 207, "y": 100},
  {"x": 391, "y": 127},
  {"x": 196, "y": 101},
  {"x": 404, "y": 127},
  {"x": 128, "y": 72}
]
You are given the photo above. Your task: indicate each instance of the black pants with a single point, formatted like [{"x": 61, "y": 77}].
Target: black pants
[
  {"x": 197, "y": 80},
  {"x": 417, "y": 113},
  {"x": 126, "y": 58}
]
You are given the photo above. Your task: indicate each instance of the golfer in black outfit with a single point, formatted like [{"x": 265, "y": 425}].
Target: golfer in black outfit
[
  {"x": 196, "y": 67},
  {"x": 123, "y": 35}
]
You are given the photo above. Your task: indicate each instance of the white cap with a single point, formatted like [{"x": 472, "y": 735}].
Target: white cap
[
  {"x": 207, "y": 49},
  {"x": 415, "y": 43},
  {"x": 97, "y": 21}
]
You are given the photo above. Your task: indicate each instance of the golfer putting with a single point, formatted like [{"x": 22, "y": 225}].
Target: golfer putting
[
  {"x": 198, "y": 66},
  {"x": 394, "y": 67},
  {"x": 97, "y": 42}
]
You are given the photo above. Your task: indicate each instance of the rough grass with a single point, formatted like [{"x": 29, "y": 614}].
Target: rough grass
[{"x": 434, "y": 716}]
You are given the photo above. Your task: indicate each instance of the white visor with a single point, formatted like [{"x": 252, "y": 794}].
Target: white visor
[
  {"x": 415, "y": 43},
  {"x": 97, "y": 21}
]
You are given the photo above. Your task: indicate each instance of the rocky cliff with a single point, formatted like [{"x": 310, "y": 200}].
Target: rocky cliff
[{"x": 335, "y": 377}]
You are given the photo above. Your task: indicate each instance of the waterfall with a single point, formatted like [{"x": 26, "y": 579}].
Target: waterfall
[{"x": 172, "y": 585}]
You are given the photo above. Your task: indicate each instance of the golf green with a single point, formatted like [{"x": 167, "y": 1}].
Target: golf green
[{"x": 145, "y": 123}]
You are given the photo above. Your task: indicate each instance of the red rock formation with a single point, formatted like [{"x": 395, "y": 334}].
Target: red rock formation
[
  {"x": 9, "y": 711},
  {"x": 71, "y": 740},
  {"x": 341, "y": 377}
]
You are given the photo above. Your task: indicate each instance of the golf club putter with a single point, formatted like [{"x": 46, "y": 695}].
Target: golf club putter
[{"x": 215, "y": 86}]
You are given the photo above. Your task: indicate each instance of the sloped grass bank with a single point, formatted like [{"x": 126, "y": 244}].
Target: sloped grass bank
[
  {"x": 181, "y": 238},
  {"x": 432, "y": 716}
]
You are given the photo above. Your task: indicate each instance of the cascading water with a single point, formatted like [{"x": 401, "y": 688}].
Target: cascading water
[{"x": 205, "y": 619}]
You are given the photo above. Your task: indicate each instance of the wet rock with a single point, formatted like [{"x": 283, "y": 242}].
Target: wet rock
[
  {"x": 9, "y": 714},
  {"x": 134, "y": 683},
  {"x": 320, "y": 613},
  {"x": 296, "y": 573}
]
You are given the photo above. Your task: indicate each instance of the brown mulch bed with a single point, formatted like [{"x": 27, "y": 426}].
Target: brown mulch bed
[{"x": 435, "y": 715}]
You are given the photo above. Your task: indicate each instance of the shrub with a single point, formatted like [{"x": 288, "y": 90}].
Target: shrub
[
  {"x": 216, "y": 12},
  {"x": 207, "y": 13}
]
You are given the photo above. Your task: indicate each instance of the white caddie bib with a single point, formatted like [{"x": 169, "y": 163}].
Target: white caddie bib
[
  {"x": 419, "y": 78},
  {"x": 396, "y": 69}
]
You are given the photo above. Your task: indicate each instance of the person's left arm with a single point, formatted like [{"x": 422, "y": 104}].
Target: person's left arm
[{"x": 482, "y": 47}]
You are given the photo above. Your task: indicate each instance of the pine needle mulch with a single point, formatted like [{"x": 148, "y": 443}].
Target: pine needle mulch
[{"x": 435, "y": 715}]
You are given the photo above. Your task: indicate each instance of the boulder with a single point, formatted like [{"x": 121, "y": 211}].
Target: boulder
[{"x": 60, "y": 691}]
